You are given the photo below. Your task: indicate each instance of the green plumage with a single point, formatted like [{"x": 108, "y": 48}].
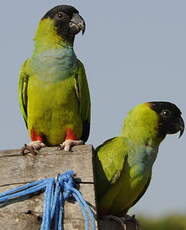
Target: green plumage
[
  {"x": 123, "y": 164},
  {"x": 53, "y": 89}
]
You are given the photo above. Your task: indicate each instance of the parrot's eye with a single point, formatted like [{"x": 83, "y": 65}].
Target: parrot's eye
[
  {"x": 166, "y": 113},
  {"x": 61, "y": 16}
]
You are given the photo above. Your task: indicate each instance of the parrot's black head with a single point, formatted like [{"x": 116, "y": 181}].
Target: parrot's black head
[
  {"x": 67, "y": 20},
  {"x": 170, "y": 120}
]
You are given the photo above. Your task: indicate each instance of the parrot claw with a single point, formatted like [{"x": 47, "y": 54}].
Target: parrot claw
[
  {"x": 124, "y": 220},
  {"x": 33, "y": 148},
  {"x": 67, "y": 145}
]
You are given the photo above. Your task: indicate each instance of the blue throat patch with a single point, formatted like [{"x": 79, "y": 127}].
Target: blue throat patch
[
  {"x": 54, "y": 65},
  {"x": 141, "y": 158}
]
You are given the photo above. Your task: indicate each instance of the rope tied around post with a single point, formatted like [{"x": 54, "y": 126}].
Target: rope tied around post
[{"x": 56, "y": 191}]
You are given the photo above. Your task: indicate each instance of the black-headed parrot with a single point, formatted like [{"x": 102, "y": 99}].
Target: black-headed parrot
[
  {"x": 123, "y": 165},
  {"x": 53, "y": 89}
]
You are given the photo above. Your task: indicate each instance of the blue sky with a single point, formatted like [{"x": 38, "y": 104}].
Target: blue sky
[{"x": 133, "y": 51}]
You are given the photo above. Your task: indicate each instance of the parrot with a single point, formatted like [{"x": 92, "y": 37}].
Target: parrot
[
  {"x": 53, "y": 90},
  {"x": 123, "y": 164}
]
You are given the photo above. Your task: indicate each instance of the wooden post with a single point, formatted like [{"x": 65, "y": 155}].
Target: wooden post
[{"x": 17, "y": 170}]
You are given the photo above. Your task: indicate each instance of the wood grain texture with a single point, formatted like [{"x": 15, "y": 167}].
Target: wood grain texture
[{"x": 17, "y": 170}]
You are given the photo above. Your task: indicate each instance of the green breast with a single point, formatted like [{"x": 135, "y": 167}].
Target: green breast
[{"x": 53, "y": 106}]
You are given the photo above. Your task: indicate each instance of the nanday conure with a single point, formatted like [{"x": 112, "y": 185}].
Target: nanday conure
[
  {"x": 123, "y": 165},
  {"x": 53, "y": 90}
]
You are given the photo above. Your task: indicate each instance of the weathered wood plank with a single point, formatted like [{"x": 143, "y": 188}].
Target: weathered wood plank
[
  {"x": 16, "y": 170},
  {"x": 48, "y": 163}
]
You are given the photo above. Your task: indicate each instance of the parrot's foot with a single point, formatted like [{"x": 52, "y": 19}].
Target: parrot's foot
[
  {"x": 125, "y": 220},
  {"x": 33, "y": 147},
  {"x": 67, "y": 145}
]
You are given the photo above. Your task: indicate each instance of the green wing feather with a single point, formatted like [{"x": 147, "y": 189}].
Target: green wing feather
[
  {"x": 83, "y": 95},
  {"x": 143, "y": 192},
  {"x": 22, "y": 90},
  {"x": 109, "y": 163}
]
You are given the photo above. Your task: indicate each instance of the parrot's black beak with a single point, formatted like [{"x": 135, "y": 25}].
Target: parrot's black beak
[
  {"x": 177, "y": 125},
  {"x": 77, "y": 24},
  {"x": 181, "y": 126}
]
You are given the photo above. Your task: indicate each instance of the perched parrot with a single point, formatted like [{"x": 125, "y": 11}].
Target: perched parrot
[
  {"x": 53, "y": 90},
  {"x": 123, "y": 165}
]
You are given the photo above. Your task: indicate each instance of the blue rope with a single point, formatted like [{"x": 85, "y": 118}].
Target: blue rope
[{"x": 55, "y": 194}]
